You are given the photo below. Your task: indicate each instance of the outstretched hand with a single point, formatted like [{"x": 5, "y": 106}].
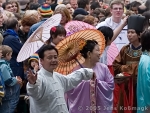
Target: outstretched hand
[
  {"x": 19, "y": 81},
  {"x": 31, "y": 77},
  {"x": 125, "y": 20}
]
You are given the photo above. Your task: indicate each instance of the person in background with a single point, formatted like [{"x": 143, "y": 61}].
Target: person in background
[
  {"x": 26, "y": 22},
  {"x": 7, "y": 6},
  {"x": 127, "y": 62},
  {"x": 79, "y": 11},
  {"x": 73, "y": 4},
  {"x": 126, "y": 2},
  {"x": 34, "y": 13},
  {"x": 11, "y": 39},
  {"x": 69, "y": 7},
  {"x": 45, "y": 12},
  {"x": 34, "y": 6},
  {"x": 57, "y": 34},
  {"x": 16, "y": 6},
  {"x": 117, "y": 10},
  {"x": 143, "y": 83},
  {"x": 33, "y": 63},
  {"x": 79, "y": 17},
  {"x": 134, "y": 7},
  {"x": 46, "y": 88},
  {"x": 110, "y": 36},
  {"x": 12, "y": 83},
  {"x": 93, "y": 6},
  {"x": 85, "y": 4},
  {"x": 89, "y": 19},
  {"x": 66, "y": 17},
  {"x": 50, "y": 2}
]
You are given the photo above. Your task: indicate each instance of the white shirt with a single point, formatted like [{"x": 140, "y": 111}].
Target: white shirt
[
  {"x": 47, "y": 95},
  {"x": 121, "y": 39},
  {"x": 103, "y": 58}
]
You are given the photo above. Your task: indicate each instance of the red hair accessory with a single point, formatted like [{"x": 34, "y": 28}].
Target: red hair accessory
[{"x": 53, "y": 29}]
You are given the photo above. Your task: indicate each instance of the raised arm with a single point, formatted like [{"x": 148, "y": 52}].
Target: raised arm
[
  {"x": 35, "y": 86},
  {"x": 119, "y": 29},
  {"x": 72, "y": 80}
]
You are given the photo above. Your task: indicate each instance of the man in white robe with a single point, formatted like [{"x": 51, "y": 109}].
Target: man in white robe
[{"x": 46, "y": 89}]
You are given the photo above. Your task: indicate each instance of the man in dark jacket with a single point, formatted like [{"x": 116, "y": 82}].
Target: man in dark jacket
[{"x": 11, "y": 39}]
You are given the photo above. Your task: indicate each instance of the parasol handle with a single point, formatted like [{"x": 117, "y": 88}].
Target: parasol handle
[{"x": 79, "y": 63}]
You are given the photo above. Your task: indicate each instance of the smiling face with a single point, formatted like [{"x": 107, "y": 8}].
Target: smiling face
[
  {"x": 50, "y": 60},
  {"x": 58, "y": 38},
  {"x": 15, "y": 7},
  {"x": 95, "y": 54}
]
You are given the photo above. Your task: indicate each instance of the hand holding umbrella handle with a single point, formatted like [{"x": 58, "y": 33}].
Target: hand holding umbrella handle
[{"x": 31, "y": 77}]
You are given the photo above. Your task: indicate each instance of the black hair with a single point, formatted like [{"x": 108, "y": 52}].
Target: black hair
[
  {"x": 145, "y": 40},
  {"x": 5, "y": 4},
  {"x": 34, "y": 6},
  {"x": 135, "y": 4},
  {"x": 147, "y": 4},
  {"x": 11, "y": 23},
  {"x": 46, "y": 48},
  {"x": 89, "y": 46},
  {"x": 138, "y": 33},
  {"x": 107, "y": 32},
  {"x": 94, "y": 5},
  {"x": 60, "y": 30},
  {"x": 83, "y": 3}
]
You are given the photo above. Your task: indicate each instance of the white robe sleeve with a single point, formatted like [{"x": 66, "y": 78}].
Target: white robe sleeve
[
  {"x": 72, "y": 80},
  {"x": 36, "y": 90}
]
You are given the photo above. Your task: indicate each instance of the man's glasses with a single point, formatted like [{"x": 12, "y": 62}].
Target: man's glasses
[{"x": 117, "y": 9}]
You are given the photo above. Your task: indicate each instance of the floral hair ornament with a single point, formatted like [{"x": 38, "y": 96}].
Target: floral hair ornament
[{"x": 53, "y": 29}]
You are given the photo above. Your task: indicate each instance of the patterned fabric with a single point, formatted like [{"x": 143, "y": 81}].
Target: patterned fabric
[
  {"x": 93, "y": 96},
  {"x": 45, "y": 10}
]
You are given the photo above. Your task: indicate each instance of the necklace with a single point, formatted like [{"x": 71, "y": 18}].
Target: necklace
[{"x": 134, "y": 52}]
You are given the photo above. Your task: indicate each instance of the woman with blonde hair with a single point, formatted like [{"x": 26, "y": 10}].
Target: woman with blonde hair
[
  {"x": 16, "y": 6},
  {"x": 66, "y": 17},
  {"x": 32, "y": 13}
]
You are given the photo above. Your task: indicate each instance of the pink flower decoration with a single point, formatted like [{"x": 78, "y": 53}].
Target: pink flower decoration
[{"x": 53, "y": 29}]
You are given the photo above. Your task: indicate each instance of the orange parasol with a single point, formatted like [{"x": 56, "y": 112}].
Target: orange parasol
[{"x": 69, "y": 49}]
